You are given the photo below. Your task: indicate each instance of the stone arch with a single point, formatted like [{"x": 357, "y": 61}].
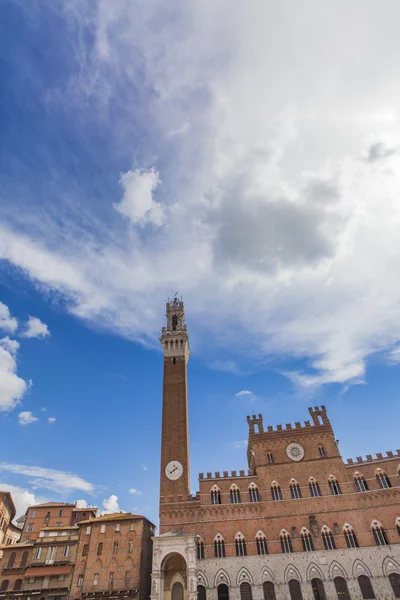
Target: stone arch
[
  {"x": 314, "y": 571},
  {"x": 360, "y": 568},
  {"x": 244, "y": 575},
  {"x": 201, "y": 578},
  {"x": 292, "y": 573},
  {"x": 169, "y": 554},
  {"x": 389, "y": 565},
  {"x": 98, "y": 566},
  {"x": 128, "y": 563},
  {"x": 336, "y": 570},
  {"x": 222, "y": 577},
  {"x": 177, "y": 578},
  {"x": 266, "y": 575}
]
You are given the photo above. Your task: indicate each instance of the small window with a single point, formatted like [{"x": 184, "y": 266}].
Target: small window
[
  {"x": 350, "y": 537},
  {"x": 61, "y": 513},
  {"x": 328, "y": 539},
  {"x": 235, "y": 495},
  {"x": 240, "y": 545},
  {"x": 130, "y": 546},
  {"x": 59, "y": 524},
  {"x": 88, "y": 530},
  {"x": 322, "y": 451},
  {"x": 286, "y": 542},
  {"x": 47, "y": 517},
  {"x": 80, "y": 581},
  {"x": 38, "y": 552},
  {"x": 24, "y": 559},
  {"x": 270, "y": 458},
  {"x": 254, "y": 495},
  {"x": 18, "y": 585},
  {"x": 66, "y": 551},
  {"x": 379, "y": 534},
  {"x": 127, "y": 578},
  {"x": 61, "y": 577},
  {"x": 334, "y": 486},
  {"x": 215, "y": 495},
  {"x": 31, "y": 579},
  {"x": 306, "y": 541},
  {"x": 174, "y": 322},
  {"x": 4, "y": 585},
  {"x": 96, "y": 579},
  {"x": 314, "y": 488},
  {"x": 383, "y": 479},
  {"x": 111, "y": 579},
  {"x": 11, "y": 560},
  {"x": 261, "y": 544},
  {"x": 117, "y": 526},
  {"x": 115, "y": 548},
  {"x": 102, "y": 528},
  {"x": 200, "y": 549},
  {"x": 30, "y": 527},
  {"x": 132, "y": 526},
  {"x": 33, "y": 514},
  {"x": 295, "y": 489},
  {"x": 219, "y": 547},
  {"x": 361, "y": 483},
  {"x": 85, "y": 550},
  {"x": 276, "y": 491},
  {"x": 100, "y": 548}
]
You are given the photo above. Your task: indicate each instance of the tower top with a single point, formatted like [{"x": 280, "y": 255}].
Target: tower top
[{"x": 174, "y": 337}]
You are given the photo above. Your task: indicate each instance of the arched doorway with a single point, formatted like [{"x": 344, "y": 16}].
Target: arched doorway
[
  {"x": 201, "y": 592},
  {"x": 269, "y": 590},
  {"x": 174, "y": 577},
  {"x": 341, "y": 588},
  {"x": 295, "y": 590},
  {"x": 223, "y": 592},
  {"x": 318, "y": 589}
]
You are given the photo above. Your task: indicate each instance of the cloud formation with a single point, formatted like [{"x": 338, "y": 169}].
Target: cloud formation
[
  {"x": 12, "y": 387},
  {"x": 51, "y": 420},
  {"x": 111, "y": 505},
  {"x": 51, "y": 479},
  {"x": 35, "y": 328},
  {"x": 22, "y": 498},
  {"x": 135, "y": 492},
  {"x": 7, "y": 322},
  {"x": 278, "y": 213},
  {"x": 26, "y": 418}
]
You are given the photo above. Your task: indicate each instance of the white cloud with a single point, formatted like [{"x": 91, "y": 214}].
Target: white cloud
[
  {"x": 135, "y": 492},
  {"x": 7, "y": 322},
  {"x": 81, "y": 503},
  {"x": 137, "y": 202},
  {"x": 26, "y": 418},
  {"x": 35, "y": 328},
  {"x": 111, "y": 505},
  {"x": 43, "y": 478},
  {"x": 51, "y": 420},
  {"x": 280, "y": 225},
  {"x": 22, "y": 498},
  {"x": 144, "y": 467},
  {"x": 247, "y": 395},
  {"x": 12, "y": 386}
]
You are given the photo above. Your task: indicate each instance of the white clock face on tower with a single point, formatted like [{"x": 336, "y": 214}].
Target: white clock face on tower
[
  {"x": 295, "y": 451},
  {"x": 174, "y": 470}
]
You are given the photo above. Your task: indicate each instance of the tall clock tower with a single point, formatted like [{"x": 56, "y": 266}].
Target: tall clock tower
[{"x": 174, "y": 477}]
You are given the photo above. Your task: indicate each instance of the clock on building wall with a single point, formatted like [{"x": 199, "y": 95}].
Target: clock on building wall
[
  {"x": 174, "y": 470},
  {"x": 295, "y": 451}
]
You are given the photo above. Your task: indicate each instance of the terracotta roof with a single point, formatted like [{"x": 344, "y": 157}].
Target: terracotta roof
[
  {"x": 17, "y": 545},
  {"x": 45, "y": 504},
  {"x": 114, "y": 517}
]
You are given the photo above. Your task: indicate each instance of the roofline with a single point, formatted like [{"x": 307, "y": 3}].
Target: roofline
[{"x": 117, "y": 517}]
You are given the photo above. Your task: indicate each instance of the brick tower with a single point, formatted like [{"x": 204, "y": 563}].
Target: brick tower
[{"x": 174, "y": 476}]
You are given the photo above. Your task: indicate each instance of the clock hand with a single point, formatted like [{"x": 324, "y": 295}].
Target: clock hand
[{"x": 173, "y": 470}]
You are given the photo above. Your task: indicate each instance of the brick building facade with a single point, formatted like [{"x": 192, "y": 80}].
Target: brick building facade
[
  {"x": 9, "y": 533},
  {"x": 300, "y": 524}
]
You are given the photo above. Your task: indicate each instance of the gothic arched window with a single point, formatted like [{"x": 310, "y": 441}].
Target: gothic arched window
[
  {"x": 394, "y": 579},
  {"x": 245, "y": 591},
  {"x": 18, "y": 585},
  {"x": 11, "y": 560},
  {"x": 174, "y": 322},
  {"x": 334, "y": 486},
  {"x": 350, "y": 536},
  {"x": 4, "y": 585},
  {"x": 295, "y": 590},
  {"x": 383, "y": 479},
  {"x": 219, "y": 547},
  {"x": 201, "y": 592},
  {"x": 360, "y": 482},
  {"x": 366, "y": 587},
  {"x": 223, "y": 592},
  {"x": 235, "y": 494},
  {"x": 313, "y": 485},
  {"x": 269, "y": 590},
  {"x": 276, "y": 491},
  {"x": 341, "y": 588},
  {"x": 254, "y": 494},
  {"x": 24, "y": 559},
  {"x": 306, "y": 540},
  {"x": 199, "y": 549},
  {"x": 240, "y": 545},
  {"x": 286, "y": 542},
  {"x": 270, "y": 458},
  {"x": 379, "y": 534},
  {"x": 295, "y": 489},
  {"x": 261, "y": 543},
  {"x": 322, "y": 451},
  {"x": 328, "y": 539},
  {"x": 215, "y": 495}
]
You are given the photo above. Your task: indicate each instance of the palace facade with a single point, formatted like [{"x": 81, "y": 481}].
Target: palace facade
[{"x": 300, "y": 524}]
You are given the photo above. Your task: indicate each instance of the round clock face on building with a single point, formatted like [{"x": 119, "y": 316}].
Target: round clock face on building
[
  {"x": 295, "y": 451},
  {"x": 174, "y": 470}
]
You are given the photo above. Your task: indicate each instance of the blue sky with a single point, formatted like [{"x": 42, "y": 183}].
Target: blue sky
[{"x": 246, "y": 158}]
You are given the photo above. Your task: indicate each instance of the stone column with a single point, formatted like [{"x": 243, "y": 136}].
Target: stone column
[
  {"x": 192, "y": 584},
  {"x": 156, "y": 585}
]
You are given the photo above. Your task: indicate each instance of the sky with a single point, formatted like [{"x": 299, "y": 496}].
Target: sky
[{"x": 245, "y": 156}]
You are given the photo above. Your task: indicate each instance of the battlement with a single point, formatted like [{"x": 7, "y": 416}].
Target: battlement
[
  {"x": 369, "y": 458},
  {"x": 226, "y": 474},
  {"x": 318, "y": 416}
]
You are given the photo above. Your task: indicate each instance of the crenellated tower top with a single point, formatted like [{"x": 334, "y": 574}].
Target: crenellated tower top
[{"x": 174, "y": 337}]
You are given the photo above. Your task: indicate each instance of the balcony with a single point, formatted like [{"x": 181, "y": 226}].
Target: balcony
[{"x": 14, "y": 570}]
